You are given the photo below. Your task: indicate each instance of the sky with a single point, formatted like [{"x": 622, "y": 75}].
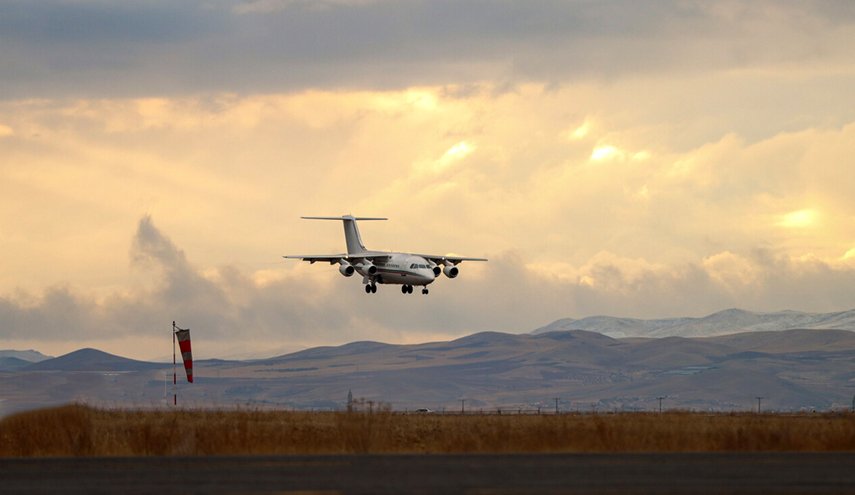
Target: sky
[{"x": 643, "y": 159}]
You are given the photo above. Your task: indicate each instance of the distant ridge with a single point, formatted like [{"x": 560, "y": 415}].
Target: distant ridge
[
  {"x": 91, "y": 360},
  {"x": 30, "y": 355},
  {"x": 12, "y": 363},
  {"x": 11, "y": 360},
  {"x": 724, "y": 322},
  {"x": 802, "y": 369}
]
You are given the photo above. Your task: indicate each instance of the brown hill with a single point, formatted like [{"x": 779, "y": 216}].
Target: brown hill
[{"x": 791, "y": 370}]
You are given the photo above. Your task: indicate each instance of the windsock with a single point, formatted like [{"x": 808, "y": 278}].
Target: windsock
[{"x": 184, "y": 344}]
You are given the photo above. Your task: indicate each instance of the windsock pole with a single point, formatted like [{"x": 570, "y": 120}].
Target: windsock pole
[
  {"x": 174, "y": 378},
  {"x": 182, "y": 335}
]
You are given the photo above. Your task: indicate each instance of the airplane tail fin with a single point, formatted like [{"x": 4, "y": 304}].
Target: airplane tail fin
[{"x": 351, "y": 231}]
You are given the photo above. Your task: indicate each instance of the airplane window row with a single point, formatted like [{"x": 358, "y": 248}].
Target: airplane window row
[{"x": 416, "y": 265}]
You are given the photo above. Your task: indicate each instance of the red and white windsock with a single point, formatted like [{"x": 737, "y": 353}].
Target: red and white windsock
[{"x": 184, "y": 344}]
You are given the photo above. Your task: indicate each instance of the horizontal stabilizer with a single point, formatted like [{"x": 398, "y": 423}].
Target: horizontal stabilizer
[{"x": 345, "y": 217}]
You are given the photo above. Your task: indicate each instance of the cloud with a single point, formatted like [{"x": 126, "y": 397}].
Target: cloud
[
  {"x": 232, "y": 311},
  {"x": 494, "y": 172},
  {"x": 635, "y": 159},
  {"x": 55, "y": 49},
  {"x": 224, "y": 304}
]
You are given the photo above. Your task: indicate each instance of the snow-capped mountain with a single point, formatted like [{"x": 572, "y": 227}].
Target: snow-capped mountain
[{"x": 721, "y": 323}]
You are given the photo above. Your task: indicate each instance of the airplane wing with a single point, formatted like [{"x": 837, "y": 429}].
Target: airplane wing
[
  {"x": 314, "y": 258},
  {"x": 332, "y": 259},
  {"x": 453, "y": 260}
]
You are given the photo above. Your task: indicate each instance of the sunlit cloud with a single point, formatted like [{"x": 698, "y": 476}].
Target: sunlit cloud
[
  {"x": 732, "y": 271},
  {"x": 454, "y": 154},
  {"x": 606, "y": 152},
  {"x": 799, "y": 219},
  {"x": 642, "y": 193},
  {"x": 580, "y": 132},
  {"x": 641, "y": 156}
]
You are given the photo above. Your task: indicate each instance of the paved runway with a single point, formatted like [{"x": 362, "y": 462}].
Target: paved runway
[{"x": 476, "y": 474}]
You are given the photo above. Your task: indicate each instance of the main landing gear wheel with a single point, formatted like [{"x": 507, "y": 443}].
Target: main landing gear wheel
[
  {"x": 406, "y": 289},
  {"x": 370, "y": 289}
]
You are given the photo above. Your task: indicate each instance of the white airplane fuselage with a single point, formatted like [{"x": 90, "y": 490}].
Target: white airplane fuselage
[{"x": 402, "y": 268}]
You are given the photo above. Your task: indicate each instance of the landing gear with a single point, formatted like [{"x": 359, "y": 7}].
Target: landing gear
[
  {"x": 370, "y": 288},
  {"x": 408, "y": 289}
]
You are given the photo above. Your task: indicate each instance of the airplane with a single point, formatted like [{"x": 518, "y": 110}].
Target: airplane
[{"x": 380, "y": 267}]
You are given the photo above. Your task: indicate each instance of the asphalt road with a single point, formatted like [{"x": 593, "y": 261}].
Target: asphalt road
[{"x": 471, "y": 474}]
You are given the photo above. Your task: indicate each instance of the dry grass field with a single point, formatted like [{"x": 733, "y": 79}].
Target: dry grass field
[{"x": 77, "y": 430}]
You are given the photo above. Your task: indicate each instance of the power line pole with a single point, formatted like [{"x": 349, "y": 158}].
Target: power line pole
[
  {"x": 462, "y": 406},
  {"x": 758, "y": 403},
  {"x": 660, "y": 403},
  {"x": 556, "y": 405}
]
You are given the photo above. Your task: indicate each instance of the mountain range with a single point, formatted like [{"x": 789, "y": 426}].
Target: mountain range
[
  {"x": 14, "y": 360},
  {"x": 790, "y": 369},
  {"x": 720, "y": 323}
]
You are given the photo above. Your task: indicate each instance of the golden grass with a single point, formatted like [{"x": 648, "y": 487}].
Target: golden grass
[{"x": 77, "y": 430}]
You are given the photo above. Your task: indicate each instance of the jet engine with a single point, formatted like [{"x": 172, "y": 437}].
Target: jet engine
[
  {"x": 346, "y": 268},
  {"x": 367, "y": 268},
  {"x": 450, "y": 271},
  {"x": 436, "y": 270}
]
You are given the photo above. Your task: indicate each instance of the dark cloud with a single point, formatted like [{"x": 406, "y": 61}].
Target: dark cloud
[
  {"x": 57, "y": 48},
  {"x": 102, "y": 24},
  {"x": 58, "y": 314},
  {"x": 150, "y": 246}
]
